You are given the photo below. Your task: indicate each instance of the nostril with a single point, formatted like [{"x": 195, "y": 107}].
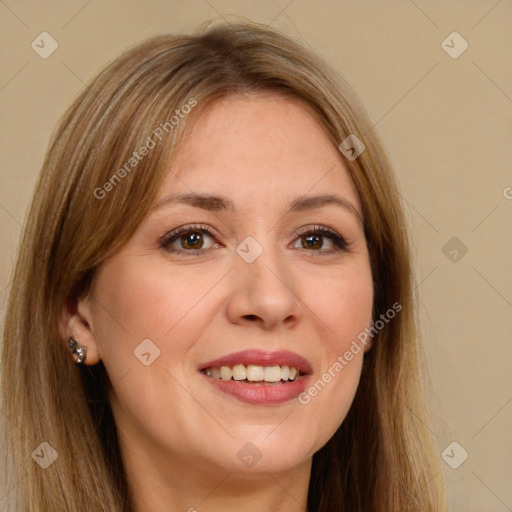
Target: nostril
[{"x": 251, "y": 317}]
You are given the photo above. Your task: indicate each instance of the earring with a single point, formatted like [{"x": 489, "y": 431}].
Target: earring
[{"x": 80, "y": 351}]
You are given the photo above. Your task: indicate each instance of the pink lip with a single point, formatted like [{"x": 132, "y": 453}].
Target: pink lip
[{"x": 260, "y": 394}]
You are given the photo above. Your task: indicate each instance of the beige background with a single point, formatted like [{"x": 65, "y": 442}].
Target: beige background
[{"x": 448, "y": 126}]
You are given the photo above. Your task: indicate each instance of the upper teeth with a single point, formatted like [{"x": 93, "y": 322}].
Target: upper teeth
[{"x": 254, "y": 373}]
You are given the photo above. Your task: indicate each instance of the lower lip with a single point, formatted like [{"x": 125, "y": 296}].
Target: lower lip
[{"x": 259, "y": 394}]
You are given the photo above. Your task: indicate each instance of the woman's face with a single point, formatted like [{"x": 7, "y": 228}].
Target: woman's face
[{"x": 269, "y": 275}]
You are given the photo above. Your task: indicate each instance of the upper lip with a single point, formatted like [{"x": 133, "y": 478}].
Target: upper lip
[{"x": 261, "y": 358}]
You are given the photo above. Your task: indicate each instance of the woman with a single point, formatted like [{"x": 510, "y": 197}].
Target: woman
[{"x": 212, "y": 305}]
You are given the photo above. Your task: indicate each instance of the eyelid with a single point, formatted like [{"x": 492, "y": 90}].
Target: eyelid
[
  {"x": 203, "y": 228},
  {"x": 319, "y": 228}
]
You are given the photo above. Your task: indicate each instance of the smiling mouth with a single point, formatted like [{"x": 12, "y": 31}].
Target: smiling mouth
[
  {"x": 255, "y": 374},
  {"x": 259, "y": 377}
]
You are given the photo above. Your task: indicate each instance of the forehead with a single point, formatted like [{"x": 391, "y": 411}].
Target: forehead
[{"x": 258, "y": 143}]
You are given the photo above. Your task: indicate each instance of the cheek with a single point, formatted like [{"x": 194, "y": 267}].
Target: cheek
[
  {"x": 136, "y": 303},
  {"x": 343, "y": 308},
  {"x": 344, "y": 305},
  {"x": 139, "y": 302},
  {"x": 146, "y": 300}
]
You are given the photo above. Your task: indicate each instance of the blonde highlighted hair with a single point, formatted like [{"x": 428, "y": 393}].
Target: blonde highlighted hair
[{"x": 381, "y": 459}]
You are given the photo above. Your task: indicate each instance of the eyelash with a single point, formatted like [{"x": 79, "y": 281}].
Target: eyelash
[{"x": 340, "y": 243}]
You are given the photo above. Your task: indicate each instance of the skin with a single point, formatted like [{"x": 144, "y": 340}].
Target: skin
[{"x": 179, "y": 435}]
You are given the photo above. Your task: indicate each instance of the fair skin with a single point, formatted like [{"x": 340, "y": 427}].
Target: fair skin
[{"x": 179, "y": 434}]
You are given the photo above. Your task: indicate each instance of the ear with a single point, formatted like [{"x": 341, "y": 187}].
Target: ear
[{"x": 76, "y": 321}]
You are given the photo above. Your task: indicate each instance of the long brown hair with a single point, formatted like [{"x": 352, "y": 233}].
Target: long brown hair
[{"x": 382, "y": 457}]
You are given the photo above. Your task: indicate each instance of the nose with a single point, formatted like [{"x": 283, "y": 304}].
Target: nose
[{"x": 264, "y": 293}]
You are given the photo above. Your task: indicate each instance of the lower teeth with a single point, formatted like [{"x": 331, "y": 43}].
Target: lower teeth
[
  {"x": 263, "y": 382},
  {"x": 259, "y": 382}
]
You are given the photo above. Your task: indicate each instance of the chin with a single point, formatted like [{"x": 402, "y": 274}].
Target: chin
[{"x": 267, "y": 452}]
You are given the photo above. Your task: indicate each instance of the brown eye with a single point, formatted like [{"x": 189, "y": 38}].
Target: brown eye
[
  {"x": 189, "y": 239},
  {"x": 313, "y": 239},
  {"x": 312, "y": 242},
  {"x": 193, "y": 240}
]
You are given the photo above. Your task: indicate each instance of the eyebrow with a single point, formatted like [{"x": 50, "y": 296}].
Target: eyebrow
[{"x": 219, "y": 203}]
